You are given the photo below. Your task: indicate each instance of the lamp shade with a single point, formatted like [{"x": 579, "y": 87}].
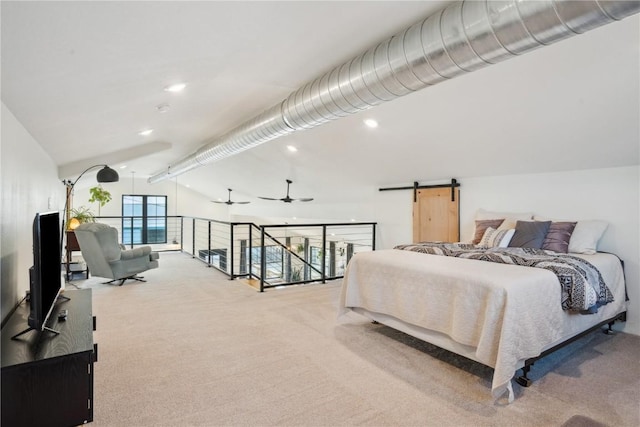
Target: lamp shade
[
  {"x": 73, "y": 223},
  {"x": 106, "y": 174}
]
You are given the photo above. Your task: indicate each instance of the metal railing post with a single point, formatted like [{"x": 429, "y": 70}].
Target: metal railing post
[
  {"x": 208, "y": 244},
  {"x": 231, "y": 250},
  {"x": 181, "y": 234},
  {"x": 193, "y": 239},
  {"x": 263, "y": 259},
  {"x": 250, "y": 251},
  {"x": 373, "y": 236},
  {"x": 324, "y": 254}
]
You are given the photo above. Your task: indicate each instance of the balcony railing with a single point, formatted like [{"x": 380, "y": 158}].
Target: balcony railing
[{"x": 274, "y": 255}]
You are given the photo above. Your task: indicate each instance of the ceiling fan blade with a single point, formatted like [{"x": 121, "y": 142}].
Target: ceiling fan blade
[
  {"x": 217, "y": 201},
  {"x": 242, "y": 203},
  {"x": 288, "y": 199}
]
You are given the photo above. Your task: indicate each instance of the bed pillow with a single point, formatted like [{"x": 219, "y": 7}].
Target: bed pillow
[
  {"x": 510, "y": 218},
  {"x": 496, "y": 238},
  {"x": 506, "y": 239},
  {"x": 481, "y": 228},
  {"x": 558, "y": 237},
  {"x": 586, "y": 235},
  {"x": 530, "y": 234}
]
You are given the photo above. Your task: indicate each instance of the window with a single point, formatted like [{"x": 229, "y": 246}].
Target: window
[
  {"x": 273, "y": 260},
  {"x": 144, "y": 219},
  {"x": 316, "y": 257}
]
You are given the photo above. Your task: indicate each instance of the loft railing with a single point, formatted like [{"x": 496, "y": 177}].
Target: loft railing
[
  {"x": 311, "y": 252},
  {"x": 275, "y": 255}
]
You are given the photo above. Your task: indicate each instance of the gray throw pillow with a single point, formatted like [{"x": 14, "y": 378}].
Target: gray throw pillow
[
  {"x": 558, "y": 237},
  {"x": 530, "y": 234}
]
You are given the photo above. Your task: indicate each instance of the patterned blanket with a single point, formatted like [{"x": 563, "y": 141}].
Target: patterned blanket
[{"x": 583, "y": 288}]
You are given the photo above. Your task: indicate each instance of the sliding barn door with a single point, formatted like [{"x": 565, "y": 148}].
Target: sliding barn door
[{"x": 435, "y": 216}]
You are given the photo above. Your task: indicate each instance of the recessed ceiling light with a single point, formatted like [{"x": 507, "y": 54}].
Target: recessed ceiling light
[
  {"x": 163, "y": 108},
  {"x": 145, "y": 132},
  {"x": 371, "y": 123},
  {"x": 123, "y": 166},
  {"x": 292, "y": 148},
  {"x": 178, "y": 87}
]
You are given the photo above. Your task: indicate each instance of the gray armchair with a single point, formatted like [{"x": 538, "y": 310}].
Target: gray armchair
[{"x": 105, "y": 257}]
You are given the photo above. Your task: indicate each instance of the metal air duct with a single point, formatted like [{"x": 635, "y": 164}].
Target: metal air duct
[{"x": 461, "y": 38}]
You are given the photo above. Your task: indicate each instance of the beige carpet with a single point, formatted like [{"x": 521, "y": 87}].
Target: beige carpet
[{"x": 190, "y": 347}]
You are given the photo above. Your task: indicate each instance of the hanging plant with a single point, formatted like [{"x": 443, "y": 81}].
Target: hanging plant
[{"x": 100, "y": 195}]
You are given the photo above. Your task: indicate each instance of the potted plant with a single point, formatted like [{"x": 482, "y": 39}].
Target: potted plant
[
  {"x": 296, "y": 274},
  {"x": 100, "y": 195},
  {"x": 79, "y": 216}
]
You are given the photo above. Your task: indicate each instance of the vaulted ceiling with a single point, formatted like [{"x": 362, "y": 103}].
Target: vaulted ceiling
[{"x": 84, "y": 78}]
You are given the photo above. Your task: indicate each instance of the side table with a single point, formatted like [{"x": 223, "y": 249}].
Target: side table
[{"x": 72, "y": 246}]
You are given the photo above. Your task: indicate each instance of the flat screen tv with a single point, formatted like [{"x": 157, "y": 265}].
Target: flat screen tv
[{"x": 45, "y": 278}]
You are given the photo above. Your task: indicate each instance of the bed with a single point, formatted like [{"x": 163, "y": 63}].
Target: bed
[{"x": 501, "y": 315}]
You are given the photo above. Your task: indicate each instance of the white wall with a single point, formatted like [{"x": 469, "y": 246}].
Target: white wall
[
  {"x": 30, "y": 184},
  {"x": 610, "y": 194}
]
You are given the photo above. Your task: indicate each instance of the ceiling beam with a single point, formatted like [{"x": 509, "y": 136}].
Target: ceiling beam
[{"x": 72, "y": 169}]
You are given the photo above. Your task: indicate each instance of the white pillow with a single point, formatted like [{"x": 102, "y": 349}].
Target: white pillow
[
  {"x": 510, "y": 218},
  {"x": 504, "y": 243},
  {"x": 585, "y": 237},
  {"x": 495, "y": 238}
]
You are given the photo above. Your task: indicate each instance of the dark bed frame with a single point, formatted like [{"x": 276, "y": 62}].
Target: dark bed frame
[{"x": 525, "y": 381}]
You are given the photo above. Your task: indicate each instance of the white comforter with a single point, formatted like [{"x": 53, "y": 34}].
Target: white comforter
[{"x": 505, "y": 313}]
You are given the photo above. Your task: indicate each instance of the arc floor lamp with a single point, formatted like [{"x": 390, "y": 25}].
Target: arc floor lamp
[{"x": 106, "y": 174}]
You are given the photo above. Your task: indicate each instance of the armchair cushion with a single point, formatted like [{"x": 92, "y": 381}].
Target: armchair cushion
[{"x": 135, "y": 252}]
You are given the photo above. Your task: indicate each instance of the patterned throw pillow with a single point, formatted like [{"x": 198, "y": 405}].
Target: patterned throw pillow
[
  {"x": 493, "y": 238},
  {"x": 481, "y": 227}
]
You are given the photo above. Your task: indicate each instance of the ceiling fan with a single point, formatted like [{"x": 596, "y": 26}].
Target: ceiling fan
[
  {"x": 288, "y": 199},
  {"x": 229, "y": 202}
]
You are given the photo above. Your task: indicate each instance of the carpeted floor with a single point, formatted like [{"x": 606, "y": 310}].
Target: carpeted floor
[{"x": 190, "y": 347}]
